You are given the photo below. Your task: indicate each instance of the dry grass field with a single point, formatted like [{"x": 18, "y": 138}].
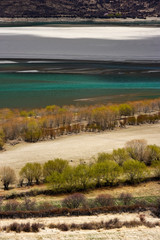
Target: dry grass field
[{"x": 141, "y": 232}]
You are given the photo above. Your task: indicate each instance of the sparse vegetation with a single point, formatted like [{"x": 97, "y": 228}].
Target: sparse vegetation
[{"x": 54, "y": 121}]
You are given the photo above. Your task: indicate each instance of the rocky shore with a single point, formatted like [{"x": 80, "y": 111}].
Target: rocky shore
[{"x": 80, "y": 8}]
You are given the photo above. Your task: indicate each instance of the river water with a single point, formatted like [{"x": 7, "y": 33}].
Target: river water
[{"x": 78, "y": 65}]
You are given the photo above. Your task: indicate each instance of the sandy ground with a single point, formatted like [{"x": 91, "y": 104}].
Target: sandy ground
[
  {"x": 114, "y": 234},
  {"x": 75, "y": 147},
  {"x": 85, "y": 43}
]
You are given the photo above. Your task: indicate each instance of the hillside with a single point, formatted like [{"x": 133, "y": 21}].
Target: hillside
[{"x": 80, "y": 8}]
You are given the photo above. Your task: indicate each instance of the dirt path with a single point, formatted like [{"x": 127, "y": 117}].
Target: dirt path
[{"x": 73, "y": 148}]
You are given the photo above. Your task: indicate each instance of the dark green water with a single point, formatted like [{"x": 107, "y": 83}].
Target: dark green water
[{"x": 27, "y": 90}]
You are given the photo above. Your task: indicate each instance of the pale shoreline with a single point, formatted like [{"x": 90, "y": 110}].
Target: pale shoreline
[
  {"x": 103, "y": 43},
  {"x": 74, "y": 20},
  {"x": 82, "y": 146}
]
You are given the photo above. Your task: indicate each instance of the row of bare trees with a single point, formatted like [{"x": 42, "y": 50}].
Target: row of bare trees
[{"x": 53, "y": 121}]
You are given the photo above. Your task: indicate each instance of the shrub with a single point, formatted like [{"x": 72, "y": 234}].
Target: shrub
[
  {"x": 104, "y": 156},
  {"x": 153, "y": 154},
  {"x": 156, "y": 166},
  {"x": 126, "y": 198},
  {"x": 35, "y": 227},
  {"x": 104, "y": 200},
  {"x": 32, "y": 132},
  {"x": 111, "y": 172},
  {"x": 1, "y": 202},
  {"x": 83, "y": 175},
  {"x": 8, "y": 177},
  {"x": 11, "y": 205},
  {"x": 26, "y": 227},
  {"x": 75, "y": 200},
  {"x": 131, "y": 120},
  {"x": 30, "y": 172},
  {"x": 28, "y": 204},
  {"x": 120, "y": 155},
  {"x": 57, "y": 165},
  {"x": 137, "y": 149},
  {"x": 63, "y": 227},
  {"x": 2, "y": 137},
  {"x": 125, "y": 109},
  {"x": 134, "y": 170},
  {"x": 15, "y": 227},
  {"x": 45, "y": 206}
]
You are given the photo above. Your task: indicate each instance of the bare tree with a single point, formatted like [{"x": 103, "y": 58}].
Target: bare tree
[
  {"x": 137, "y": 149},
  {"x": 8, "y": 177}
]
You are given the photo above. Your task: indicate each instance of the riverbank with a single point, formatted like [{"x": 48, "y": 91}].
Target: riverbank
[
  {"x": 81, "y": 20},
  {"x": 109, "y": 43}
]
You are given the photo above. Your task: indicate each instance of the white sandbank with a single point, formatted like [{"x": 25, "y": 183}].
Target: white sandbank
[{"x": 81, "y": 43}]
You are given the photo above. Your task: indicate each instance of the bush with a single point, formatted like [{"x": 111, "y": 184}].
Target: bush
[
  {"x": 45, "y": 206},
  {"x": 11, "y": 205},
  {"x": 83, "y": 175},
  {"x": 57, "y": 165},
  {"x": 30, "y": 172},
  {"x": 2, "y": 137},
  {"x": 32, "y": 132},
  {"x": 8, "y": 177},
  {"x": 1, "y": 202},
  {"x": 74, "y": 201},
  {"x": 104, "y": 200},
  {"x": 126, "y": 198},
  {"x": 134, "y": 170},
  {"x": 137, "y": 149},
  {"x": 35, "y": 227},
  {"x": 125, "y": 110},
  {"x": 120, "y": 155},
  {"x": 156, "y": 166},
  {"x": 153, "y": 154},
  {"x": 103, "y": 157},
  {"x": 28, "y": 204},
  {"x": 15, "y": 227},
  {"x": 63, "y": 227}
]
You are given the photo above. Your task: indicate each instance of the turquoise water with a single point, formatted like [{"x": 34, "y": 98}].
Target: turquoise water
[{"x": 27, "y": 90}]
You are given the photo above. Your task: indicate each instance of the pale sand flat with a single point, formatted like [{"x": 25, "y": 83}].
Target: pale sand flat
[{"x": 75, "y": 147}]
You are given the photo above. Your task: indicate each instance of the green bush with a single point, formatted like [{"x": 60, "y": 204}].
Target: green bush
[
  {"x": 134, "y": 170},
  {"x": 153, "y": 154},
  {"x": 32, "y": 132},
  {"x": 120, "y": 155},
  {"x": 125, "y": 110},
  {"x": 2, "y": 137},
  {"x": 104, "y": 156},
  {"x": 31, "y": 172},
  {"x": 56, "y": 165},
  {"x": 156, "y": 166}
]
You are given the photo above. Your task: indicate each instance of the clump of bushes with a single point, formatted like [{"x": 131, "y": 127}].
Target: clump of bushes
[
  {"x": 23, "y": 227},
  {"x": 75, "y": 200},
  {"x": 126, "y": 198},
  {"x": 110, "y": 224},
  {"x": 104, "y": 200}
]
